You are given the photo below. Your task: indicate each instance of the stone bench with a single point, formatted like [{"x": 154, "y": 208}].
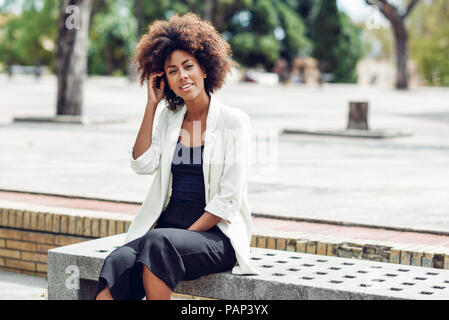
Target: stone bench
[{"x": 73, "y": 272}]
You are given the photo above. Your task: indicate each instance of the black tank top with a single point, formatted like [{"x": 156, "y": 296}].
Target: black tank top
[
  {"x": 187, "y": 201},
  {"x": 187, "y": 171}
]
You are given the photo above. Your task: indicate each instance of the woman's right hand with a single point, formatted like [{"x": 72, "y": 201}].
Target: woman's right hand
[{"x": 155, "y": 95}]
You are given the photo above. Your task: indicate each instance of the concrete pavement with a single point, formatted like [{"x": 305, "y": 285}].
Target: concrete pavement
[{"x": 16, "y": 286}]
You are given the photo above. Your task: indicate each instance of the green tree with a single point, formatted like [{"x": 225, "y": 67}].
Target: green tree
[
  {"x": 254, "y": 41},
  {"x": 429, "y": 41},
  {"x": 30, "y": 38},
  {"x": 306, "y": 9},
  {"x": 351, "y": 50},
  {"x": 397, "y": 15},
  {"x": 295, "y": 40},
  {"x": 259, "y": 31},
  {"x": 147, "y": 12},
  {"x": 326, "y": 29},
  {"x": 112, "y": 38},
  {"x": 9, "y": 31},
  {"x": 264, "y": 31},
  {"x": 337, "y": 44},
  {"x": 71, "y": 55}
]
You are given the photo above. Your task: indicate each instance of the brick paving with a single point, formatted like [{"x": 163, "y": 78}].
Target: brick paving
[{"x": 75, "y": 203}]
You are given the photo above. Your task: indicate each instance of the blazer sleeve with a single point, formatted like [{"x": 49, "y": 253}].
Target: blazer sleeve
[
  {"x": 233, "y": 183},
  {"x": 149, "y": 161}
]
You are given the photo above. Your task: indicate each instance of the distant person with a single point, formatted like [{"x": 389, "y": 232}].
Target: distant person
[
  {"x": 281, "y": 68},
  {"x": 199, "y": 156},
  {"x": 9, "y": 70}
]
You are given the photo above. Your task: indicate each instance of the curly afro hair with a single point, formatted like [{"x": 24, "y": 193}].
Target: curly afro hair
[{"x": 191, "y": 34}]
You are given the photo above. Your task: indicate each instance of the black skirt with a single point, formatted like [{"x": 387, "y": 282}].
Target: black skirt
[{"x": 171, "y": 252}]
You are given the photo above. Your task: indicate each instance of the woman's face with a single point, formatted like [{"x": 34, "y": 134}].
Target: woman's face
[{"x": 184, "y": 75}]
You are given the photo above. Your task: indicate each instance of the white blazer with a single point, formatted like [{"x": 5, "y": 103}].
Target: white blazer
[{"x": 226, "y": 161}]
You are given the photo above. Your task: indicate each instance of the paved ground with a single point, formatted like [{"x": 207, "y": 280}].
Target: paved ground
[
  {"x": 15, "y": 286},
  {"x": 400, "y": 182}
]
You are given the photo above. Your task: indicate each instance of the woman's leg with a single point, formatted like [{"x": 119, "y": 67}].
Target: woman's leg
[
  {"x": 105, "y": 294},
  {"x": 157, "y": 265},
  {"x": 155, "y": 288},
  {"x": 120, "y": 277},
  {"x": 170, "y": 255}
]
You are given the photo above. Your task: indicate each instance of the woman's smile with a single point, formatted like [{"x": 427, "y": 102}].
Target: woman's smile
[{"x": 186, "y": 87}]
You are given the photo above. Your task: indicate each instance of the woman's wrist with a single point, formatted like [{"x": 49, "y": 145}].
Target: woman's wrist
[
  {"x": 205, "y": 222},
  {"x": 151, "y": 106}
]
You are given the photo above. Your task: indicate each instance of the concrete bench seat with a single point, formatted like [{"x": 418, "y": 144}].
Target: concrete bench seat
[{"x": 73, "y": 272}]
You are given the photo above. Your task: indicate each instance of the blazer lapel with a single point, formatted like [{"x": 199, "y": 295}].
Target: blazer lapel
[
  {"x": 172, "y": 134},
  {"x": 209, "y": 141},
  {"x": 174, "y": 128}
]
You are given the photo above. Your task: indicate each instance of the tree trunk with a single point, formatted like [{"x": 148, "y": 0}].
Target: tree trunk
[
  {"x": 71, "y": 59},
  {"x": 109, "y": 61},
  {"x": 401, "y": 39},
  {"x": 138, "y": 5},
  {"x": 141, "y": 29},
  {"x": 37, "y": 69},
  {"x": 397, "y": 21},
  {"x": 208, "y": 10},
  {"x": 358, "y": 116}
]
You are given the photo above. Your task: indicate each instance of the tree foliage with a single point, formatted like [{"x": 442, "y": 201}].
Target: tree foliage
[
  {"x": 260, "y": 31},
  {"x": 397, "y": 11},
  {"x": 264, "y": 31},
  {"x": 429, "y": 41},
  {"x": 29, "y": 38},
  {"x": 112, "y": 38},
  {"x": 337, "y": 44},
  {"x": 351, "y": 50},
  {"x": 295, "y": 41},
  {"x": 306, "y": 10}
]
